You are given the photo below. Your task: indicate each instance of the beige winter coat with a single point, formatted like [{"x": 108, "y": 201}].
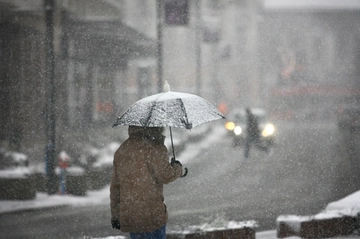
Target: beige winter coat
[{"x": 141, "y": 168}]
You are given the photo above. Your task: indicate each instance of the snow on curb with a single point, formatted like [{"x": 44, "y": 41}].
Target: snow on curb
[
  {"x": 111, "y": 237},
  {"x": 232, "y": 229},
  {"x": 340, "y": 218},
  {"x": 16, "y": 172},
  {"x": 44, "y": 200},
  {"x": 351, "y": 203},
  {"x": 323, "y": 225}
]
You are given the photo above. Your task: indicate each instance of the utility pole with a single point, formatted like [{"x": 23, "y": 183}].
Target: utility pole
[
  {"x": 198, "y": 41},
  {"x": 252, "y": 35},
  {"x": 159, "y": 7},
  {"x": 49, "y": 6}
]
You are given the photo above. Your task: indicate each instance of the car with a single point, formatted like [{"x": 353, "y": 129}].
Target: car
[
  {"x": 236, "y": 126},
  {"x": 235, "y": 119}
]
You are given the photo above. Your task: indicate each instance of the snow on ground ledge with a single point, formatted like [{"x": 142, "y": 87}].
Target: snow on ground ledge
[{"x": 44, "y": 200}]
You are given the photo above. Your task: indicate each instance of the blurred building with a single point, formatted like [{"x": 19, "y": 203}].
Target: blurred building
[
  {"x": 309, "y": 57},
  {"x": 264, "y": 53},
  {"x": 298, "y": 59},
  {"x": 95, "y": 50}
]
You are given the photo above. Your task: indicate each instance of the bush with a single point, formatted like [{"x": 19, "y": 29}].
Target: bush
[
  {"x": 76, "y": 185},
  {"x": 17, "y": 188}
]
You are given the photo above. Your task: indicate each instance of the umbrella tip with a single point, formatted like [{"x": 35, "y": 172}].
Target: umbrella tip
[{"x": 166, "y": 86}]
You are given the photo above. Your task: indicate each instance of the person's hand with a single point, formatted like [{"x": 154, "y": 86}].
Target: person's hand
[
  {"x": 173, "y": 161},
  {"x": 185, "y": 173},
  {"x": 115, "y": 224}
]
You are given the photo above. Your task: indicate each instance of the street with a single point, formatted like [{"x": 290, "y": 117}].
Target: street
[{"x": 301, "y": 175}]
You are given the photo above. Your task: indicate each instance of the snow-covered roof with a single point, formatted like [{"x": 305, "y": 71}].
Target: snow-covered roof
[{"x": 310, "y": 5}]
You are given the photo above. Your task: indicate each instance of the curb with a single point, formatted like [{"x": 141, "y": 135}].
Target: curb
[
  {"x": 242, "y": 233},
  {"x": 310, "y": 227},
  {"x": 34, "y": 209}
]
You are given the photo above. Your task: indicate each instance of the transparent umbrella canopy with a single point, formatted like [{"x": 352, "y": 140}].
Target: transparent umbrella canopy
[{"x": 170, "y": 109}]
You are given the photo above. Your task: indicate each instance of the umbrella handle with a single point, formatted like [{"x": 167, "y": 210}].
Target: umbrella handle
[
  {"x": 186, "y": 172},
  {"x": 172, "y": 144},
  {"x": 173, "y": 159}
]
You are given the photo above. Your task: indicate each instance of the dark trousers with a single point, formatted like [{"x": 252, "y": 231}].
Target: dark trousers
[
  {"x": 157, "y": 234},
  {"x": 256, "y": 142}
]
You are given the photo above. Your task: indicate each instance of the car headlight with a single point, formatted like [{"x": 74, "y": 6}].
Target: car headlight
[
  {"x": 229, "y": 126},
  {"x": 237, "y": 130},
  {"x": 268, "y": 130}
]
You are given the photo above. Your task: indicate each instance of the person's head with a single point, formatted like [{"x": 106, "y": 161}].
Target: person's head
[
  {"x": 152, "y": 133},
  {"x": 248, "y": 111}
]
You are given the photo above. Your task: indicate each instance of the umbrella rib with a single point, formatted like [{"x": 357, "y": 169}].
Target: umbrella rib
[
  {"x": 152, "y": 107},
  {"x": 187, "y": 124},
  {"x": 150, "y": 115}
]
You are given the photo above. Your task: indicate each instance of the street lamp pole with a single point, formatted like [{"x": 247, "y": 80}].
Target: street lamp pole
[
  {"x": 159, "y": 7},
  {"x": 49, "y": 6},
  {"x": 198, "y": 46}
]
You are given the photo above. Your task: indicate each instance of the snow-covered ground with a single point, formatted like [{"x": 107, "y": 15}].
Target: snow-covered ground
[{"x": 349, "y": 204}]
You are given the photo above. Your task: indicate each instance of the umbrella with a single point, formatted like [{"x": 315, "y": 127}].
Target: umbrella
[{"x": 170, "y": 109}]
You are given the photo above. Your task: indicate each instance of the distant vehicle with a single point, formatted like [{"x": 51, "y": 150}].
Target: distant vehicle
[{"x": 236, "y": 126}]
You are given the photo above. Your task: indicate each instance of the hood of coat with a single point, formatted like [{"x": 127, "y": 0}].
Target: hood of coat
[{"x": 151, "y": 133}]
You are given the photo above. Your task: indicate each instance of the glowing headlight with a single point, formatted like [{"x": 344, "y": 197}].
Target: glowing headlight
[
  {"x": 238, "y": 130},
  {"x": 230, "y": 126},
  {"x": 268, "y": 130}
]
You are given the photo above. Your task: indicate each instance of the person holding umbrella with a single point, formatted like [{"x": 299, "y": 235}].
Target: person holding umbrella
[
  {"x": 141, "y": 166},
  {"x": 140, "y": 169}
]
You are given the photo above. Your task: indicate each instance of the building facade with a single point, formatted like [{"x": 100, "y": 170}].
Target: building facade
[
  {"x": 93, "y": 51},
  {"x": 243, "y": 53},
  {"x": 309, "y": 58}
]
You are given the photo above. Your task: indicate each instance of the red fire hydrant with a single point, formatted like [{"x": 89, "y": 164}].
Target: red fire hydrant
[{"x": 64, "y": 161}]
